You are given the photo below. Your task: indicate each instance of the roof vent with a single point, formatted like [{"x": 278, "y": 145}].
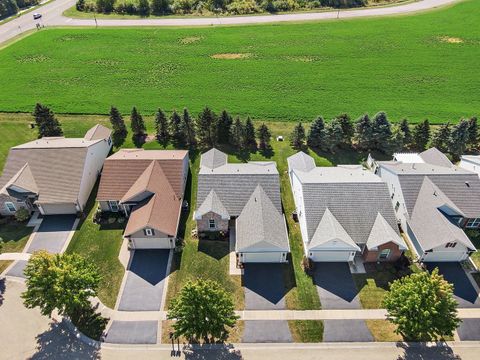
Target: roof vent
[
  {"x": 434, "y": 193},
  {"x": 413, "y": 166},
  {"x": 467, "y": 183}
]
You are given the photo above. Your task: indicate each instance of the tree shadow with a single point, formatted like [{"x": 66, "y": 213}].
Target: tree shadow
[
  {"x": 349, "y": 155},
  {"x": 213, "y": 248},
  {"x": 420, "y": 351},
  {"x": 58, "y": 343},
  {"x": 204, "y": 352},
  {"x": 139, "y": 140},
  {"x": 2, "y": 290},
  {"x": 91, "y": 323}
]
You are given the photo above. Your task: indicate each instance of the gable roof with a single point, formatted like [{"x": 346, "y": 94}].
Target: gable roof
[
  {"x": 301, "y": 161},
  {"x": 146, "y": 183},
  {"x": 434, "y": 156},
  {"x": 260, "y": 226},
  {"x": 212, "y": 204},
  {"x": 213, "y": 158},
  {"x": 25, "y": 180},
  {"x": 382, "y": 233},
  {"x": 98, "y": 132}
]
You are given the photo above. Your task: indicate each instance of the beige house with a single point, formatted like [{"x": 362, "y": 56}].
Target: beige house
[
  {"x": 53, "y": 175},
  {"x": 147, "y": 186}
]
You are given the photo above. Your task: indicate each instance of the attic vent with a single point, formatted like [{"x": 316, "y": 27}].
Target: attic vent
[
  {"x": 467, "y": 183},
  {"x": 435, "y": 193}
]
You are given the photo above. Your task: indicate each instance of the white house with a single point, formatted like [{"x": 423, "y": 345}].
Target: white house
[
  {"x": 53, "y": 174},
  {"x": 471, "y": 163}
]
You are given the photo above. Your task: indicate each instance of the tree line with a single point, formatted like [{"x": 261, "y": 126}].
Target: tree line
[
  {"x": 11, "y": 7},
  {"x": 378, "y": 134}
]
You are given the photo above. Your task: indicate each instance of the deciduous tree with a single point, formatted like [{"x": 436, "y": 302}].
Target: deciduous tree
[
  {"x": 47, "y": 123},
  {"x": 160, "y": 7},
  {"x": 297, "y": 138}
]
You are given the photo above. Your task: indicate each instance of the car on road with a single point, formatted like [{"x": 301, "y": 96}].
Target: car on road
[{"x": 36, "y": 16}]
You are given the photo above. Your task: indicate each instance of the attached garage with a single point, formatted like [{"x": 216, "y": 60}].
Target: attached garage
[
  {"x": 263, "y": 257},
  {"x": 332, "y": 256},
  {"x": 152, "y": 243},
  {"x": 444, "y": 256},
  {"x": 57, "y": 209}
]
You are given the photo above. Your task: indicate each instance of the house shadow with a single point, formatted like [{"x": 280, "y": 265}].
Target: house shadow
[
  {"x": 58, "y": 343},
  {"x": 2, "y": 290},
  {"x": 420, "y": 351},
  {"x": 336, "y": 278},
  {"x": 150, "y": 265},
  {"x": 207, "y": 352},
  {"x": 216, "y": 249}
]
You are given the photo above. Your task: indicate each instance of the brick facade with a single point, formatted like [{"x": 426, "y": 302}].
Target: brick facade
[
  {"x": 220, "y": 224},
  {"x": 372, "y": 256}
]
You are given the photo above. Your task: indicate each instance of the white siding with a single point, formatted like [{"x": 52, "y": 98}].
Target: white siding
[
  {"x": 57, "y": 209},
  {"x": 395, "y": 189},
  {"x": 262, "y": 257},
  {"x": 332, "y": 256},
  {"x": 470, "y": 165},
  {"x": 441, "y": 253},
  {"x": 153, "y": 243},
  {"x": 299, "y": 206},
  {"x": 185, "y": 174}
]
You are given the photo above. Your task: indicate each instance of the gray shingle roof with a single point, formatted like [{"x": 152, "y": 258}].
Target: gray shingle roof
[
  {"x": 435, "y": 157},
  {"x": 382, "y": 232},
  {"x": 212, "y": 204},
  {"x": 213, "y": 158},
  {"x": 260, "y": 226},
  {"x": 301, "y": 161}
]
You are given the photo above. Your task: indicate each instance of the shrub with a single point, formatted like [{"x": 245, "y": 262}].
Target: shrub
[
  {"x": 105, "y": 6},
  {"x": 240, "y": 7},
  {"x": 8, "y": 8},
  {"x": 285, "y": 5},
  {"x": 80, "y": 5},
  {"x": 22, "y": 214},
  {"x": 143, "y": 8},
  {"x": 183, "y": 6}
]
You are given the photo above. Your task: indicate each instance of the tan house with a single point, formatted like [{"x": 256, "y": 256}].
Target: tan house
[
  {"x": 53, "y": 175},
  {"x": 147, "y": 186}
]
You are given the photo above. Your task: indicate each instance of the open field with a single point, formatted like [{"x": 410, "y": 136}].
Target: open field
[{"x": 417, "y": 66}]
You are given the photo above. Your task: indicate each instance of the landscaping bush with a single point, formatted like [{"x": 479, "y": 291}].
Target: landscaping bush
[
  {"x": 240, "y": 7},
  {"x": 80, "y": 5},
  {"x": 22, "y": 214},
  {"x": 105, "y": 6},
  {"x": 8, "y": 8}
]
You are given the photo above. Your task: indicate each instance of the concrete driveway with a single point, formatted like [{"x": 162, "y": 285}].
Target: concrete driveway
[
  {"x": 144, "y": 285},
  {"x": 346, "y": 331},
  {"x": 17, "y": 269},
  {"x": 132, "y": 332},
  {"x": 52, "y": 234},
  {"x": 264, "y": 288},
  {"x": 464, "y": 291}
]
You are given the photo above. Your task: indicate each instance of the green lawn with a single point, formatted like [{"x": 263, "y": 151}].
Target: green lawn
[
  {"x": 418, "y": 66},
  {"x": 13, "y": 236}
]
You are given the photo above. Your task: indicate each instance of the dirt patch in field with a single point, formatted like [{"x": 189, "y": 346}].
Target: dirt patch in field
[
  {"x": 29, "y": 59},
  {"x": 190, "y": 40},
  {"x": 451, "y": 40},
  {"x": 305, "y": 59},
  {"x": 231, "y": 56}
]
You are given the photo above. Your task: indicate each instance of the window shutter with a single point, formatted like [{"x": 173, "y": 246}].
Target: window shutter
[{"x": 145, "y": 232}]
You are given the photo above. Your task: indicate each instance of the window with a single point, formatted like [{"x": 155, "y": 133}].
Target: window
[
  {"x": 211, "y": 224},
  {"x": 451, "y": 245},
  {"x": 10, "y": 206},
  {"x": 109, "y": 141},
  {"x": 397, "y": 205},
  {"x": 473, "y": 223},
  {"x": 384, "y": 254},
  {"x": 113, "y": 205},
  {"x": 149, "y": 232}
]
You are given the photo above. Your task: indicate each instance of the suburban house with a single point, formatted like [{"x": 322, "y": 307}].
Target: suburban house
[
  {"x": 343, "y": 212},
  {"x": 147, "y": 186},
  {"x": 470, "y": 162},
  {"x": 53, "y": 175},
  {"x": 244, "y": 198},
  {"x": 433, "y": 200}
]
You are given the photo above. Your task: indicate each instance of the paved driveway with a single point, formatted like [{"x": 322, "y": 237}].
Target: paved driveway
[
  {"x": 52, "y": 233},
  {"x": 469, "y": 330},
  {"x": 132, "y": 332},
  {"x": 145, "y": 281},
  {"x": 17, "y": 269},
  {"x": 264, "y": 288},
  {"x": 346, "y": 331},
  {"x": 464, "y": 292}
]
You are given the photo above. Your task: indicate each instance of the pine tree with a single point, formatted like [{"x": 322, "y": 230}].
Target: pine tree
[
  {"x": 397, "y": 140},
  {"x": 224, "y": 127},
  {"x": 207, "y": 128},
  {"x": 137, "y": 123},
  {"x": 316, "y": 136},
  {"x": 161, "y": 128},
  {"x": 46, "y": 122},
  {"x": 407, "y": 133},
  {"x": 297, "y": 138},
  {"x": 364, "y": 133},
  {"x": 334, "y": 135},
  {"x": 421, "y": 135},
  {"x": 237, "y": 134},
  {"x": 458, "y": 139},
  {"x": 472, "y": 142},
  {"x": 347, "y": 129},
  {"x": 264, "y": 136},
  {"x": 249, "y": 141},
  {"x": 188, "y": 128},
  {"x": 441, "y": 138},
  {"x": 381, "y": 132},
  {"x": 176, "y": 130}
]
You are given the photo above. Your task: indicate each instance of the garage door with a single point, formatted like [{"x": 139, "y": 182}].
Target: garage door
[
  {"x": 265, "y": 257},
  {"x": 58, "y": 209},
  {"x": 445, "y": 256},
  {"x": 331, "y": 256},
  {"x": 152, "y": 243}
]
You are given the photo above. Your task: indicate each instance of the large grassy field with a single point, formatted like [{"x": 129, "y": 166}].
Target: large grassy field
[{"x": 420, "y": 66}]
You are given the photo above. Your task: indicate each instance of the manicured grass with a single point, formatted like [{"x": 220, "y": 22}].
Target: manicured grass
[
  {"x": 4, "y": 264},
  {"x": 476, "y": 277},
  {"x": 14, "y": 236},
  {"x": 407, "y": 66},
  {"x": 474, "y": 236},
  {"x": 383, "y": 330}
]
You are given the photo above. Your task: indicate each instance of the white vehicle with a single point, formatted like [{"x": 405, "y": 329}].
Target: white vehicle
[{"x": 36, "y": 16}]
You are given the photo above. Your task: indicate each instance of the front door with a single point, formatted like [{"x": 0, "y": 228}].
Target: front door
[{"x": 113, "y": 205}]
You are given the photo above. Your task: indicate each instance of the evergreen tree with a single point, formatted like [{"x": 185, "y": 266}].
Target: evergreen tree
[
  {"x": 381, "y": 132},
  {"x": 421, "y": 135},
  {"x": 364, "y": 133},
  {"x": 143, "y": 8},
  {"x": 249, "y": 141},
  {"x": 347, "y": 129},
  {"x": 237, "y": 134},
  {"x": 161, "y": 128},
  {"x": 207, "y": 128},
  {"x": 316, "y": 138},
  {"x": 334, "y": 135},
  {"x": 264, "y": 136},
  {"x": 46, "y": 122},
  {"x": 137, "y": 123},
  {"x": 472, "y": 142},
  {"x": 297, "y": 138},
  {"x": 458, "y": 139},
  {"x": 441, "y": 138},
  {"x": 176, "y": 130},
  {"x": 118, "y": 125},
  {"x": 160, "y": 7},
  {"x": 397, "y": 141},
  {"x": 188, "y": 128},
  {"x": 224, "y": 127},
  {"x": 407, "y": 133}
]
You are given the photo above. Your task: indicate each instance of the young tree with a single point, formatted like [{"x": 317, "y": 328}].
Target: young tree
[
  {"x": 422, "y": 306},
  {"x": 316, "y": 138},
  {"x": 334, "y": 135},
  {"x": 381, "y": 132},
  {"x": 224, "y": 127},
  {"x": 202, "y": 310},
  {"x": 264, "y": 136},
  {"x": 347, "y": 129},
  {"x": 458, "y": 139},
  {"x": 161, "y": 128},
  {"x": 137, "y": 123},
  {"x": 421, "y": 135},
  {"x": 249, "y": 141},
  {"x": 188, "y": 128},
  {"x": 441, "y": 138},
  {"x": 46, "y": 122},
  {"x": 364, "y": 133},
  {"x": 176, "y": 130},
  {"x": 118, "y": 125},
  {"x": 237, "y": 134},
  {"x": 297, "y": 138},
  {"x": 407, "y": 133},
  {"x": 472, "y": 142},
  {"x": 60, "y": 282},
  {"x": 207, "y": 128}
]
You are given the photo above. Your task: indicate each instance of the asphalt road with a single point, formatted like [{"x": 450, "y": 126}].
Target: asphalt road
[{"x": 52, "y": 16}]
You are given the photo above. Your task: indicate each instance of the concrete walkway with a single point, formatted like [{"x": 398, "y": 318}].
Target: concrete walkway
[{"x": 15, "y": 256}]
